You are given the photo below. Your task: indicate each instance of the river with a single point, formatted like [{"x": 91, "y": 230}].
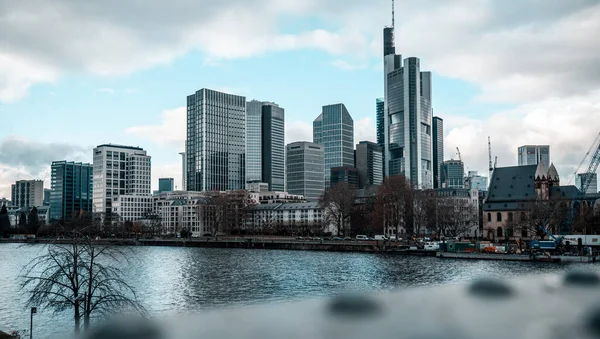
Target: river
[{"x": 174, "y": 280}]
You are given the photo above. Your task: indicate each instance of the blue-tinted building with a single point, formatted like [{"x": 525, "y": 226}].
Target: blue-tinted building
[
  {"x": 334, "y": 129},
  {"x": 216, "y": 141},
  {"x": 71, "y": 186},
  {"x": 166, "y": 185}
]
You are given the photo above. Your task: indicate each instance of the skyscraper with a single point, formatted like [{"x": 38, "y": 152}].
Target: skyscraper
[
  {"x": 530, "y": 154},
  {"x": 407, "y": 116},
  {"x": 183, "y": 171},
  {"x": 593, "y": 187},
  {"x": 379, "y": 106},
  {"x": 438, "y": 150},
  {"x": 166, "y": 184},
  {"x": 334, "y": 129},
  {"x": 71, "y": 189},
  {"x": 216, "y": 137},
  {"x": 254, "y": 141},
  {"x": 347, "y": 174},
  {"x": 273, "y": 146},
  {"x": 304, "y": 161},
  {"x": 27, "y": 193},
  {"x": 369, "y": 162},
  {"x": 453, "y": 174},
  {"x": 119, "y": 170}
]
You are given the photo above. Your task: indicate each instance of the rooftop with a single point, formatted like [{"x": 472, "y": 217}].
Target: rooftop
[{"x": 136, "y": 148}]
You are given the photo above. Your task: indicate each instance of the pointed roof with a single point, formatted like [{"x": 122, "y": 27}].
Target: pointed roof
[
  {"x": 552, "y": 172},
  {"x": 540, "y": 171}
]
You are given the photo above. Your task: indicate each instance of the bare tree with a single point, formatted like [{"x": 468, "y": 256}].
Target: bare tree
[
  {"x": 392, "y": 202},
  {"x": 80, "y": 276},
  {"x": 539, "y": 215},
  {"x": 338, "y": 203},
  {"x": 459, "y": 216},
  {"x": 424, "y": 211}
]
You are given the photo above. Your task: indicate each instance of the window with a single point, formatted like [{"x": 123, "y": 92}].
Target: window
[
  {"x": 524, "y": 233},
  {"x": 499, "y": 231},
  {"x": 489, "y": 216},
  {"x": 498, "y": 216},
  {"x": 510, "y": 216}
]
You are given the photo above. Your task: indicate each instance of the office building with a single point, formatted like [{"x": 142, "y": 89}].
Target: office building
[
  {"x": 347, "y": 174},
  {"x": 476, "y": 181},
  {"x": 132, "y": 207},
  {"x": 369, "y": 163},
  {"x": 216, "y": 138},
  {"x": 531, "y": 154},
  {"x": 273, "y": 146},
  {"x": 438, "y": 150},
  {"x": 46, "y": 201},
  {"x": 453, "y": 174},
  {"x": 305, "y": 162},
  {"x": 183, "y": 171},
  {"x": 379, "y": 106},
  {"x": 254, "y": 141},
  {"x": 71, "y": 189},
  {"x": 407, "y": 116},
  {"x": 166, "y": 185},
  {"x": 119, "y": 170},
  {"x": 27, "y": 193},
  {"x": 593, "y": 186},
  {"x": 334, "y": 129}
]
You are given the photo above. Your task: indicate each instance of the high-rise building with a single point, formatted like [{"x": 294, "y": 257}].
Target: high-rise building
[
  {"x": 119, "y": 170},
  {"x": 27, "y": 193},
  {"x": 438, "y": 150},
  {"x": 476, "y": 181},
  {"x": 369, "y": 163},
  {"x": 531, "y": 154},
  {"x": 273, "y": 147},
  {"x": 593, "y": 186},
  {"x": 216, "y": 138},
  {"x": 347, "y": 174},
  {"x": 71, "y": 189},
  {"x": 453, "y": 174},
  {"x": 304, "y": 161},
  {"x": 46, "y": 197},
  {"x": 407, "y": 116},
  {"x": 379, "y": 106},
  {"x": 166, "y": 185},
  {"x": 183, "y": 171},
  {"x": 254, "y": 141},
  {"x": 334, "y": 129}
]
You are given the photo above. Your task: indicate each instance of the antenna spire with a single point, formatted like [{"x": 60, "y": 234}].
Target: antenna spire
[{"x": 393, "y": 14}]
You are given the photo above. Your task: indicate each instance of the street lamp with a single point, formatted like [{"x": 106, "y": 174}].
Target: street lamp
[{"x": 33, "y": 311}]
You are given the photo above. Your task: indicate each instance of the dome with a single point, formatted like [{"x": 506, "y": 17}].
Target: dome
[
  {"x": 552, "y": 173},
  {"x": 540, "y": 171}
]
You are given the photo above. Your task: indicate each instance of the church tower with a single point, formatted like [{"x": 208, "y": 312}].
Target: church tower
[
  {"x": 542, "y": 182},
  {"x": 553, "y": 178}
]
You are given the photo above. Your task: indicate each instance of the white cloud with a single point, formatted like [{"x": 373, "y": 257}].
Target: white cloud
[
  {"x": 298, "y": 131},
  {"x": 346, "y": 66},
  {"x": 167, "y": 171},
  {"x": 106, "y": 90},
  {"x": 170, "y": 131},
  {"x": 365, "y": 130}
]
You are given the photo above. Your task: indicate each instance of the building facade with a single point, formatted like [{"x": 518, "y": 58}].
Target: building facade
[
  {"x": 305, "y": 162},
  {"x": 216, "y": 141},
  {"x": 347, "y": 174},
  {"x": 531, "y": 154},
  {"x": 132, "y": 207},
  {"x": 180, "y": 210},
  {"x": 254, "y": 141},
  {"x": 46, "y": 197},
  {"x": 438, "y": 151},
  {"x": 334, "y": 129},
  {"x": 27, "y": 193},
  {"x": 477, "y": 181},
  {"x": 273, "y": 146},
  {"x": 166, "y": 184},
  {"x": 71, "y": 190},
  {"x": 183, "y": 171},
  {"x": 453, "y": 174},
  {"x": 369, "y": 163},
  {"x": 119, "y": 170},
  {"x": 304, "y": 218},
  {"x": 581, "y": 178}
]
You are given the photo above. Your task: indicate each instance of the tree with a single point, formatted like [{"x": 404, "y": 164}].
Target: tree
[
  {"x": 22, "y": 219},
  {"x": 226, "y": 211},
  {"x": 337, "y": 203},
  {"x": 33, "y": 222},
  {"x": 424, "y": 211},
  {"x": 393, "y": 201},
  {"x": 81, "y": 276},
  {"x": 4, "y": 222}
]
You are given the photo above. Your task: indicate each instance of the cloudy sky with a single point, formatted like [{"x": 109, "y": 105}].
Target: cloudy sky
[{"x": 75, "y": 74}]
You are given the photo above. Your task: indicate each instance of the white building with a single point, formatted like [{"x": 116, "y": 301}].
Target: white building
[
  {"x": 119, "y": 170},
  {"x": 183, "y": 171},
  {"x": 275, "y": 197},
  {"x": 27, "y": 193},
  {"x": 181, "y": 210},
  {"x": 290, "y": 218},
  {"x": 132, "y": 207}
]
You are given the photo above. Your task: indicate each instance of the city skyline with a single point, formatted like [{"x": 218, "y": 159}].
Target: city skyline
[{"x": 141, "y": 102}]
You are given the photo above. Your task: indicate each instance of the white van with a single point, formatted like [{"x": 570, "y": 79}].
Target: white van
[
  {"x": 362, "y": 237},
  {"x": 432, "y": 246},
  {"x": 380, "y": 237}
]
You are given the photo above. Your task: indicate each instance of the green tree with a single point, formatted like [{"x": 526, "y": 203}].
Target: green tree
[{"x": 33, "y": 222}]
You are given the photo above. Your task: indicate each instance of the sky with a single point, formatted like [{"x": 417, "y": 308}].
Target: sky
[{"x": 76, "y": 74}]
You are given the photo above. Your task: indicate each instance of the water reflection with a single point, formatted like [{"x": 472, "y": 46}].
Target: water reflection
[{"x": 171, "y": 280}]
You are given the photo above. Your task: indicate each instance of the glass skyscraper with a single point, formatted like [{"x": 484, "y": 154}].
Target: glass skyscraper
[
  {"x": 453, "y": 174},
  {"x": 273, "y": 147},
  {"x": 254, "y": 141},
  {"x": 334, "y": 129},
  {"x": 304, "y": 161},
  {"x": 380, "y": 104},
  {"x": 166, "y": 184},
  {"x": 71, "y": 189},
  {"x": 369, "y": 162},
  {"x": 438, "y": 150},
  {"x": 216, "y": 141},
  {"x": 531, "y": 154}
]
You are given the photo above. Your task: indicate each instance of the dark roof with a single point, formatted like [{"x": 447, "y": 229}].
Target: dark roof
[
  {"x": 564, "y": 192},
  {"x": 512, "y": 183},
  {"x": 121, "y": 146}
]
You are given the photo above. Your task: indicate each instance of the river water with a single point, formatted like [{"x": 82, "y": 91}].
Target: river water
[{"x": 173, "y": 280}]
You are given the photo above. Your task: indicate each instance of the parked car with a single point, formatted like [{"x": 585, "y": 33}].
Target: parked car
[
  {"x": 337, "y": 239},
  {"x": 347, "y": 239},
  {"x": 362, "y": 237},
  {"x": 381, "y": 237}
]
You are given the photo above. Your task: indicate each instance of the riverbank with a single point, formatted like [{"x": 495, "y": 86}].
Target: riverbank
[{"x": 517, "y": 257}]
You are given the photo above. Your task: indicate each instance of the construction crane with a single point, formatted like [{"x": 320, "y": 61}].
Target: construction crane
[
  {"x": 458, "y": 153},
  {"x": 490, "y": 157},
  {"x": 596, "y": 141}
]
